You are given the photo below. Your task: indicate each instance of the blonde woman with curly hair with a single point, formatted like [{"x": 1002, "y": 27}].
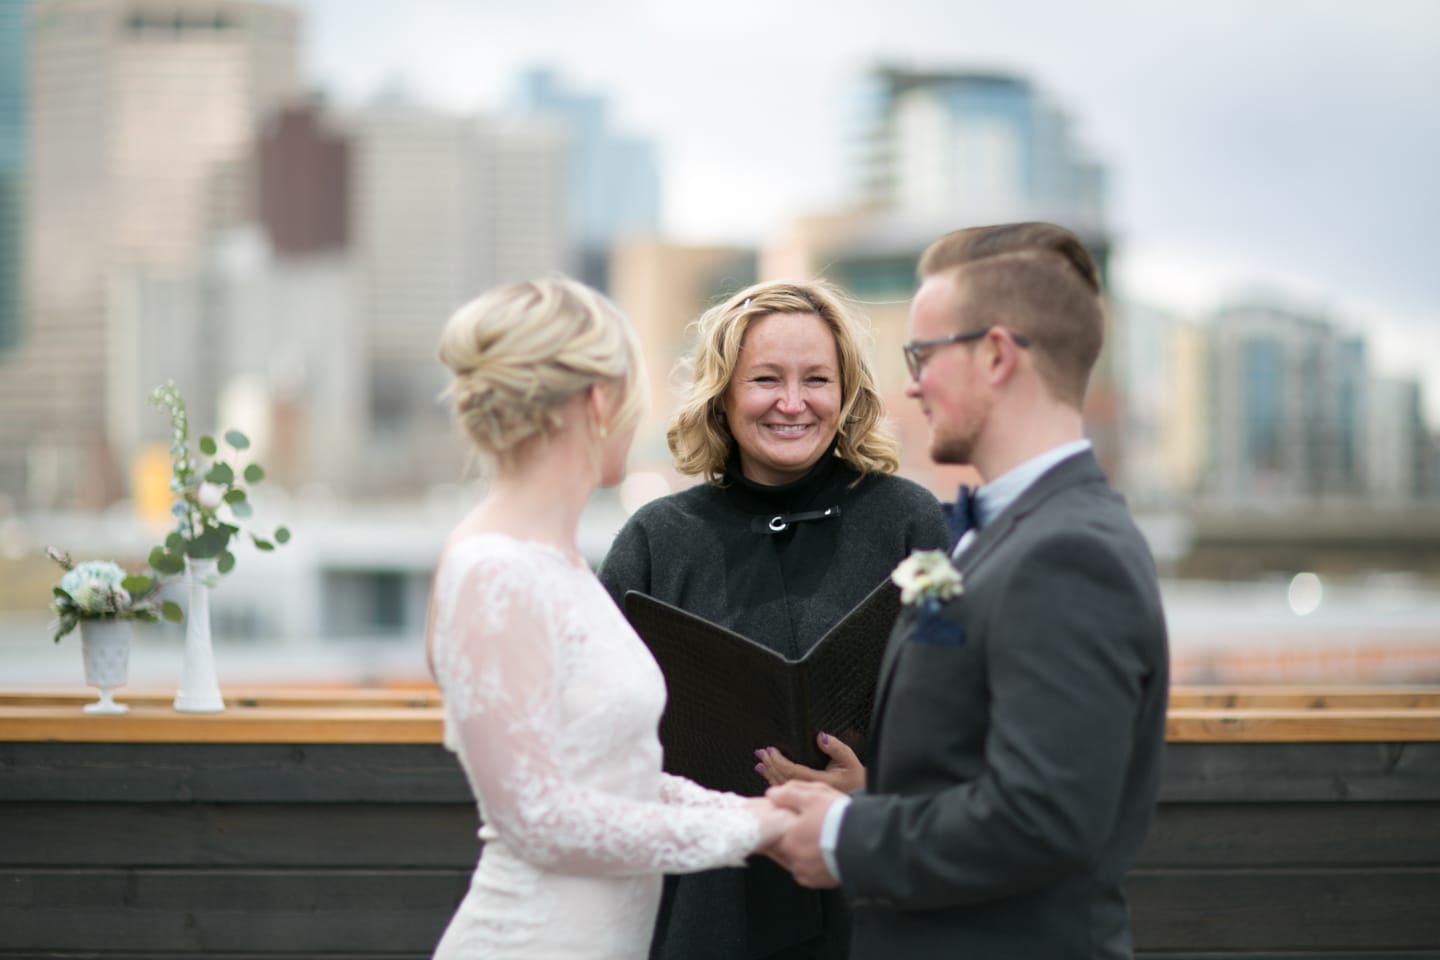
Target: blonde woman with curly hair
[
  {"x": 551, "y": 701},
  {"x": 799, "y": 517}
]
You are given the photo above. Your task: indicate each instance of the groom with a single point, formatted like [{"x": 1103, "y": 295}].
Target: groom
[{"x": 1019, "y": 725}]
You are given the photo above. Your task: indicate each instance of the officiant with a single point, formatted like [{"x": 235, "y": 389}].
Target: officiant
[{"x": 799, "y": 517}]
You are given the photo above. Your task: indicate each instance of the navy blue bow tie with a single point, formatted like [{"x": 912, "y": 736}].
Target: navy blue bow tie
[{"x": 963, "y": 514}]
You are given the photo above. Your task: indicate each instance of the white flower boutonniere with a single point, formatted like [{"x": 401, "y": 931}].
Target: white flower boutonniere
[{"x": 927, "y": 577}]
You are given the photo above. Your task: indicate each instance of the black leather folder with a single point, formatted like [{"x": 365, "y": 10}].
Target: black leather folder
[{"x": 728, "y": 695}]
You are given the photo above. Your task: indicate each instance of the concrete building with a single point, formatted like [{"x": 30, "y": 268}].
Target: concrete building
[
  {"x": 663, "y": 288},
  {"x": 1160, "y": 367},
  {"x": 1287, "y": 407},
  {"x": 14, "y": 20},
  {"x": 442, "y": 207},
  {"x": 142, "y": 116},
  {"x": 1396, "y": 445},
  {"x": 966, "y": 147},
  {"x": 613, "y": 179}
]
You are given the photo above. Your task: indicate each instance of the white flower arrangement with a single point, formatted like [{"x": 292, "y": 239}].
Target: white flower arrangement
[
  {"x": 101, "y": 590},
  {"x": 927, "y": 577}
]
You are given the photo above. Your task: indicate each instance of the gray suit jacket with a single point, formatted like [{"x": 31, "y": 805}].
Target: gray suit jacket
[{"x": 1017, "y": 741}]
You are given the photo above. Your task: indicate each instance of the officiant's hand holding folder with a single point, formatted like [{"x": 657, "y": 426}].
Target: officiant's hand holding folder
[{"x": 728, "y": 695}]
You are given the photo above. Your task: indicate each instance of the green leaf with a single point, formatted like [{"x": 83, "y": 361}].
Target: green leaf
[
  {"x": 171, "y": 611},
  {"x": 253, "y": 473},
  {"x": 234, "y": 496},
  {"x": 67, "y": 623},
  {"x": 144, "y": 616},
  {"x": 242, "y": 509},
  {"x": 138, "y": 585},
  {"x": 221, "y": 474},
  {"x": 237, "y": 439},
  {"x": 226, "y": 563},
  {"x": 211, "y": 543},
  {"x": 175, "y": 543},
  {"x": 264, "y": 545},
  {"x": 282, "y": 534},
  {"x": 60, "y": 592},
  {"x": 207, "y": 446},
  {"x": 165, "y": 562}
]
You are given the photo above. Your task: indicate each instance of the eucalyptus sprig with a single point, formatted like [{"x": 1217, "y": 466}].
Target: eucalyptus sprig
[{"x": 202, "y": 485}]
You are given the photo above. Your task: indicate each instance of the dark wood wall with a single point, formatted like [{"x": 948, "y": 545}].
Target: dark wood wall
[{"x": 1271, "y": 851}]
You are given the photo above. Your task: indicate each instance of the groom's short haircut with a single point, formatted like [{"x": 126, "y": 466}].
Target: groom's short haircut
[
  {"x": 979, "y": 243},
  {"x": 1042, "y": 296}
]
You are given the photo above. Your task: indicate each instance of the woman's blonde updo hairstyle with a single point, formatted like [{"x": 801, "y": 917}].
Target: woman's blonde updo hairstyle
[
  {"x": 699, "y": 439},
  {"x": 519, "y": 352}
]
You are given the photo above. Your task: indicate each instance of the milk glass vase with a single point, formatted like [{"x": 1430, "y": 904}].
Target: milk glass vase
[
  {"x": 199, "y": 690},
  {"x": 105, "y": 646}
]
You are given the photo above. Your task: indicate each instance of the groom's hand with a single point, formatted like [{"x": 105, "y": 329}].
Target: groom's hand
[{"x": 798, "y": 849}]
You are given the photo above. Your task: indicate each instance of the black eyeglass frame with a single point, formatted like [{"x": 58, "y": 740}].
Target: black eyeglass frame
[{"x": 917, "y": 351}]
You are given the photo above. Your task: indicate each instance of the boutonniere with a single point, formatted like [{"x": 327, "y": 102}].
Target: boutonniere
[{"x": 927, "y": 578}]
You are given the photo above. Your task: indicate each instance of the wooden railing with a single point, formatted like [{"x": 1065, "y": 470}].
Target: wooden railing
[
  {"x": 277, "y": 715},
  {"x": 1292, "y": 822}
]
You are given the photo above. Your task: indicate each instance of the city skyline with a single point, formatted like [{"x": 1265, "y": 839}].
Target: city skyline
[{"x": 1284, "y": 148}]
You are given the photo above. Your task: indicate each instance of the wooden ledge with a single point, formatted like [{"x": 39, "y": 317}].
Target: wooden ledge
[
  {"x": 302, "y": 715},
  {"x": 1329, "y": 725}
]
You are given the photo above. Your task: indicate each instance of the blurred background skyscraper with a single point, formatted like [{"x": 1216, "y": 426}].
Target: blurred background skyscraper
[{"x": 177, "y": 203}]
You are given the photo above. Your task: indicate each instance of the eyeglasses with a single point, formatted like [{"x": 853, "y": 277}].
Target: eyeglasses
[{"x": 917, "y": 352}]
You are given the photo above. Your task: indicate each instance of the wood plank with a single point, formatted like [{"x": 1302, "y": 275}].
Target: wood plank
[
  {"x": 1297, "y": 910},
  {"x": 238, "y": 697},
  {"x": 1422, "y": 954},
  {"x": 1355, "y": 834},
  {"x": 354, "y": 912},
  {"x": 1304, "y": 697},
  {"x": 1301, "y": 725},
  {"x": 157, "y": 724},
  {"x": 147, "y": 835},
  {"x": 1307, "y": 772},
  {"x": 231, "y": 773},
  {"x": 418, "y": 724}
]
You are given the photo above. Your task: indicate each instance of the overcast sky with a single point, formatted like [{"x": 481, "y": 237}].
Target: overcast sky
[{"x": 1288, "y": 145}]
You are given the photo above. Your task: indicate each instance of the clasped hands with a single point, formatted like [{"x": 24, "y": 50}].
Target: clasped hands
[{"x": 792, "y": 812}]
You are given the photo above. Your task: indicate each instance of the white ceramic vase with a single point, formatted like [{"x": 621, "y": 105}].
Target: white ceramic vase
[
  {"x": 105, "y": 644},
  {"x": 199, "y": 690}
]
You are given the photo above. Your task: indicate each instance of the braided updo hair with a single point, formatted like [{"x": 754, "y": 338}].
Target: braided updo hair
[{"x": 519, "y": 352}]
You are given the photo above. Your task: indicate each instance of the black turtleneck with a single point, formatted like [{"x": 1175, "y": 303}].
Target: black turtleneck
[{"x": 711, "y": 550}]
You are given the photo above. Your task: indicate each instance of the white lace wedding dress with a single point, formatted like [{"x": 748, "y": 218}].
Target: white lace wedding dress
[{"x": 553, "y": 704}]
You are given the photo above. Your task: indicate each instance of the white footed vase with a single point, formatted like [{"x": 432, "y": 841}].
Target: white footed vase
[
  {"x": 199, "y": 690},
  {"x": 105, "y": 645}
]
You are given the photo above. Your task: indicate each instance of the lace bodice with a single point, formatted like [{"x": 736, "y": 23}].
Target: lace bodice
[{"x": 552, "y": 704}]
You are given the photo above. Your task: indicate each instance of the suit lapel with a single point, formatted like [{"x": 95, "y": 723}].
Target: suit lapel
[{"x": 1073, "y": 471}]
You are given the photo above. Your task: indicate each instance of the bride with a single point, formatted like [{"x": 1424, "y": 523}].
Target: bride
[{"x": 551, "y": 701}]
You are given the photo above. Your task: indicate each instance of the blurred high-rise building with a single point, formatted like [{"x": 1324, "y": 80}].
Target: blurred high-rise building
[
  {"x": 663, "y": 288},
  {"x": 964, "y": 147},
  {"x": 1291, "y": 411},
  {"x": 443, "y": 207},
  {"x": 1160, "y": 371},
  {"x": 1396, "y": 447},
  {"x": 14, "y": 18},
  {"x": 613, "y": 179},
  {"x": 141, "y": 124},
  {"x": 937, "y": 151}
]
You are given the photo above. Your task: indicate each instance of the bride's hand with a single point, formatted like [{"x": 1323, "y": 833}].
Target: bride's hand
[
  {"x": 773, "y": 820},
  {"x": 844, "y": 772}
]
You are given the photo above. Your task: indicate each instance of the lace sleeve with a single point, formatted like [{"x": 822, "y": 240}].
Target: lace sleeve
[
  {"x": 501, "y": 664},
  {"x": 687, "y": 793}
]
